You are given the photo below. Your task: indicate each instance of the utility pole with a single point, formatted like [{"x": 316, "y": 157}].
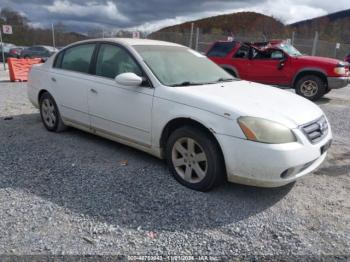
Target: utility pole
[{"x": 53, "y": 35}]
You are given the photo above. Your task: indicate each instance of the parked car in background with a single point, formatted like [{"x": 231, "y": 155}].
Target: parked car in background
[
  {"x": 38, "y": 51},
  {"x": 7, "y": 47},
  {"x": 347, "y": 58},
  {"x": 174, "y": 103},
  {"x": 16, "y": 51},
  {"x": 279, "y": 63}
]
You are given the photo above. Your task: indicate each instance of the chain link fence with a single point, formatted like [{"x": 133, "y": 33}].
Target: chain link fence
[
  {"x": 61, "y": 35},
  {"x": 308, "y": 46}
]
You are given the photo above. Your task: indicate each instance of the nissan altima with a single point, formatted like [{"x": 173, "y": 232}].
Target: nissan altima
[{"x": 174, "y": 103}]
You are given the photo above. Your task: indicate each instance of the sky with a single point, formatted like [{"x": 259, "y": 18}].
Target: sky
[{"x": 151, "y": 15}]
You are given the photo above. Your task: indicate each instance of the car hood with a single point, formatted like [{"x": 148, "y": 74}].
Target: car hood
[
  {"x": 243, "y": 98},
  {"x": 318, "y": 59}
]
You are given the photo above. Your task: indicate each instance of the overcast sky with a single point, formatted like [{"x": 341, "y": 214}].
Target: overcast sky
[{"x": 150, "y": 15}]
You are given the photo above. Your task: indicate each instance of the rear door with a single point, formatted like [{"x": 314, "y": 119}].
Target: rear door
[{"x": 71, "y": 80}]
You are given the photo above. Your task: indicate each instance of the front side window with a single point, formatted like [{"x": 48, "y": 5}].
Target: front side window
[
  {"x": 78, "y": 58},
  {"x": 113, "y": 60},
  {"x": 181, "y": 66},
  {"x": 243, "y": 52},
  {"x": 268, "y": 54}
]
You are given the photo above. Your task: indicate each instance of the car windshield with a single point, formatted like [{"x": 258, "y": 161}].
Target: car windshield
[
  {"x": 289, "y": 49},
  {"x": 181, "y": 66}
]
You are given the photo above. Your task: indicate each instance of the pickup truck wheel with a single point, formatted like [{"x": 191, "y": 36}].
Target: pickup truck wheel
[
  {"x": 311, "y": 87},
  {"x": 194, "y": 159},
  {"x": 50, "y": 115}
]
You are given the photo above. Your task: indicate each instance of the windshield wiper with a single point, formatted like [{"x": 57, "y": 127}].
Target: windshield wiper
[
  {"x": 187, "y": 83},
  {"x": 225, "y": 79}
]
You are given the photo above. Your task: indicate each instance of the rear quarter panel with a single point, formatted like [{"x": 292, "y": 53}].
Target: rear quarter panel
[{"x": 38, "y": 79}]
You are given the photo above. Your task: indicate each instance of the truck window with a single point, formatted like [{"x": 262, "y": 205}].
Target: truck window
[
  {"x": 243, "y": 52},
  {"x": 221, "y": 49}
]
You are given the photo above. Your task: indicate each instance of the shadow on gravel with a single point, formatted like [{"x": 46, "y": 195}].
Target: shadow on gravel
[
  {"x": 323, "y": 101},
  {"x": 85, "y": 174}
]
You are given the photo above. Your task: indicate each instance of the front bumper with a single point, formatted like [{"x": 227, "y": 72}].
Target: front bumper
[
  {"x": 338, "y": 82},
  {"x": 265, "y": 165}
]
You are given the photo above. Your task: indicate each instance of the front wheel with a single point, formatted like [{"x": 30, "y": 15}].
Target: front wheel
[
  {"x": 311, "y": 87},
  {"x": 194, "y": 159}
]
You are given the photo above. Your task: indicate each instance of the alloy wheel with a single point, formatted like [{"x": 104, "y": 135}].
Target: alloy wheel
[
  {"x": 189, "y": 160},
  {"x": 309, "y": 88}
]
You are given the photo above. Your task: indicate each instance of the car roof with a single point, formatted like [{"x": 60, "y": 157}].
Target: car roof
[{"x": 129, "y": 41}]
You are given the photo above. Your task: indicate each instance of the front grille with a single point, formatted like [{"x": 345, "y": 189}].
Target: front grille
[{"x": 316, "y": 130}]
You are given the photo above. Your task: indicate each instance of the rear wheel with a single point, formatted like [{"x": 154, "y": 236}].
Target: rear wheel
[
  {"x": 194, "y": 159},
  {"x": 50, "y": 115},
  {"x": 311, "y": 87}
]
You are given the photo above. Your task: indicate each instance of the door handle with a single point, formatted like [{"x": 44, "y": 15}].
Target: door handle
[
  {"x": 93, "y": 91},
  {"x": 53, "y": 79}
]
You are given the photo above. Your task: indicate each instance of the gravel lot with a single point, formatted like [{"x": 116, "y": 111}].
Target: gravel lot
[{"x": 70, "y": 193}]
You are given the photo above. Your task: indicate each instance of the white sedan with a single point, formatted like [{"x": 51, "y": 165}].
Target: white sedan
[{"x": 174, "y": 103}]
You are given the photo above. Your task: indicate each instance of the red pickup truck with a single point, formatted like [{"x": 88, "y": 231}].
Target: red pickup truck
[{"x": 279, "y": 63}]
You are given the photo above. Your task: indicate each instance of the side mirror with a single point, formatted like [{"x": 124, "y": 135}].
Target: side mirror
[{"x": 128, "y": 79}]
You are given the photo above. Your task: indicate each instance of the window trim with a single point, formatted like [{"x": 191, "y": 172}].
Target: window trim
[{"x": 93, "y": 61}]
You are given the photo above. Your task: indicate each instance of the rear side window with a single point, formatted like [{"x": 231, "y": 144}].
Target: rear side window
[
  {"x": 77, "y": 58},
  {"x": 221, "y": 49}
]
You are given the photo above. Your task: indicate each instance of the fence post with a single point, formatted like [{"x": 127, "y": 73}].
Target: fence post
[
  {"x": 197, "y": 39},
  {"x": 314, "y": 46},
  {"x": 191, "y": 36},
  {"x": 293, "y": 38},
  {"x": 53, "y": 35},
  {"x": 2, "y": 51}
]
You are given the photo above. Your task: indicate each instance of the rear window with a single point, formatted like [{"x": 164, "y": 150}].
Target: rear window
[{"x": 221, "y": 49}]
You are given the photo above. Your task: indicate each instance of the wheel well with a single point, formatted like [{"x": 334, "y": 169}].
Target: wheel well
[
  {"x": 41, "y": 93},
  {"x": 230, "y": 71},
  {"x": 314, "y": 73},
  {"x": 180, "y": 122}
]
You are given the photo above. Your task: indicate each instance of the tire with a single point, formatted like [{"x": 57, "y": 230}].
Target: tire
[
  {"x": 327, "y": 91},
  {"x": 185, "y": 168},
  {"x": 50, "y": 114},
  {"x": 311, "y": 87}
]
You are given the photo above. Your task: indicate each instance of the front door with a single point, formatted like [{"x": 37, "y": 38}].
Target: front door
[
  {"x": 265, "y": 67},
  {"x": 118, "y": 110}
]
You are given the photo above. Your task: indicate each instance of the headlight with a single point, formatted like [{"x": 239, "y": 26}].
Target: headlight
[
  {"x": 265, "y": 131},
  {"x": 340, "y": 69}
]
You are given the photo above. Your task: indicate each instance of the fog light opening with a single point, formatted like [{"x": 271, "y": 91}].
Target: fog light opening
[{"x": 287, "y": 173}]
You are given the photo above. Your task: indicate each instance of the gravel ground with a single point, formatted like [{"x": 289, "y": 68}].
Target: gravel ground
[{"x": 71, "y": 193}]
